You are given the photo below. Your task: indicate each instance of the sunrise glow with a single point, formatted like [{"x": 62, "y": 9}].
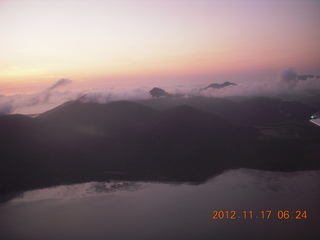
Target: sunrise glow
[{"x": 102, "y": 42}]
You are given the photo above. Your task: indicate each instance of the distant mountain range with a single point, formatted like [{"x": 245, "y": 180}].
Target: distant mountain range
[
  {"x": 159, "y": 92},
  {"x": 157, "y": 139}
]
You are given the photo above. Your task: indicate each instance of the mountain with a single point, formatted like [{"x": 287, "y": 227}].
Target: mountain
[
  {"x": 22, "y": 142},
  {"x": 257, "y": 111},
  {"x": 261, "y": 111},
  {"x": 159, "y": 92},
  {"x": 183, "y": 142},
  {"x": 218, "y": 86},
  {"x": 106, "y": 120},
  {"x": 82, "y": 141}
]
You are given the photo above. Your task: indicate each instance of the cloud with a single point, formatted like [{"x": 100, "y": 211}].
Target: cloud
[
  {"x": 5, "y": 107},
  {"x": 50, "y": 98},
  {"x": 61, "y": 82},
  {"x": 9, "y": 104},
  {"x": 286, "y": 82},
  {"x": 287, "y": 75},
  {"x": 291, "y": 83},
  {"x": 114, "y": 94},
  {"x": 45, "y": 95}
]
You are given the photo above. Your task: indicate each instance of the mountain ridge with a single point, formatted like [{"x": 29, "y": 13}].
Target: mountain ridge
[{"x": 79, "y": 141}]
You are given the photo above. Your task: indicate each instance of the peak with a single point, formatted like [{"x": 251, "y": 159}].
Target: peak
[
  {"x": 228, "y": 83},
  {"x": 158, "y": 92},
  {"x": 218, "y": 85}
]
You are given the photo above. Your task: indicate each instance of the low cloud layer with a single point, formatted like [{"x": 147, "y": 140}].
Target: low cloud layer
[
  {"x": 286, "y": 83},
  {"x": 114, "y": 94}
]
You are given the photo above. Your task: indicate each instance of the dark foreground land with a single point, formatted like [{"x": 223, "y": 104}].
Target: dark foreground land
[{"x": 157, "y": 139}]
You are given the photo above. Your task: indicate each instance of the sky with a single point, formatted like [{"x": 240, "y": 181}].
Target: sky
[
  {"x": 105, "y": 43},
  {"x": 102, "y": 44}
]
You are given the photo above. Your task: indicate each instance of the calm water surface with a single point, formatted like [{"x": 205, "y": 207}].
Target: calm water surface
[{"x": 141, "y": 210}]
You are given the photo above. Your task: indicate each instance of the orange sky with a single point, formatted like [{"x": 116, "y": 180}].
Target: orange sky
[{"x": 101, "y": 43}]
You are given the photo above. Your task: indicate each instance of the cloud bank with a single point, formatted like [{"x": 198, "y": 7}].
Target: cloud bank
[
  {"x": 286, "y": 83},
  {"x": 114, "y": 94}
]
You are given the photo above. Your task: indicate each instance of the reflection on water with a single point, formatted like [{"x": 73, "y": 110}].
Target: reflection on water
[
  {"x": 141, "y": 210},
  {"x": 90, "y": 189}
]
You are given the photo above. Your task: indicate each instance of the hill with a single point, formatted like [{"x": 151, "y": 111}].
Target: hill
[{"x": 82, "y": 141}]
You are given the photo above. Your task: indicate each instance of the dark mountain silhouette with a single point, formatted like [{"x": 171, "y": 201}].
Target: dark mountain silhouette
[
  {"x": 218, "y": 85},
  {"x": 187, "y": 143},
  {"x": 22, "y": 142},
  {"x": 266, "y": 110},
  {"x": 256, "y": 111},
  {"x": 306, "y": 76},
  {"x": 210, "y": 105},
  {"x": 106, "y": 120},
  {"x": 158, "y": 92},
  {"x": 191, "y": 140}
]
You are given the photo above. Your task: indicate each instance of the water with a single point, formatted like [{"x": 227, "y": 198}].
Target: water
[{"x": 142, "y": 210}]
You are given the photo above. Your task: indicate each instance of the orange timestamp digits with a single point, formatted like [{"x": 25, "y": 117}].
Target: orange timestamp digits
[{"x": 265, "y": 214}]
